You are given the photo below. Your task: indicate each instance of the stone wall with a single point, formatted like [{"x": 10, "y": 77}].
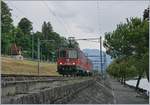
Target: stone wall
[{"x": 49, "y": 95}]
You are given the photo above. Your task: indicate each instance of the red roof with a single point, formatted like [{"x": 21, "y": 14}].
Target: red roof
[{"x": 14, "y": 49}]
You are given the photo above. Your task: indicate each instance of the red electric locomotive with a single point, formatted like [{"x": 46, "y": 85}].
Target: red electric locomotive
[{"x": 72, "y": 61}]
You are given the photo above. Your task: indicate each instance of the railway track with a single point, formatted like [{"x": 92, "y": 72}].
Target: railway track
[{"x": 14, "y": 77}]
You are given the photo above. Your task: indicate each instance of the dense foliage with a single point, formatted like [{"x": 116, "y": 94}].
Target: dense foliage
[
  {"x": 24, "y": 37},
  {"x": 129, "y": 46},
  {"x": 6, "y": 28}
]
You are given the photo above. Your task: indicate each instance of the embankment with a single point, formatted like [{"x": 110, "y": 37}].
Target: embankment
[{"x": 63, "y": 92}]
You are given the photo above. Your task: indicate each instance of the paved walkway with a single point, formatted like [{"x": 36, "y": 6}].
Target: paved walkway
[
  {"x": 109, "y": 91},
  {"x": 125, "y": 95}
]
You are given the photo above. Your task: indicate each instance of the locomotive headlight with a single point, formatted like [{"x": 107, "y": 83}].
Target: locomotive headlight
[
  {"x": 73, "y": 63},
  {"x": 60, "y": 63}
]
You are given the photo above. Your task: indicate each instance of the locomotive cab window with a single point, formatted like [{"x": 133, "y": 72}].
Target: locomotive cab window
[
  {"x": 63, "y": 53},
  {"x": 72, "y": 54}
]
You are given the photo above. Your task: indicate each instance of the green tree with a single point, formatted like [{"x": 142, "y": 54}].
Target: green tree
[
  {"x": 123, "y": 69},
  {"x": 46, "y": 29},
  {"x": 36, "y": 35},
  {"x": 6, "y": 20},
  {"x": 48, "y": 48},
  {"x": 130, "y": 39},
  {"x": 145, "y": 59},
  {"x": 24, "y": 36},
  {"x": 6, "y": 28},
  {"x": 26, "y": 26},
  {"x": 146, "y": 14},
  {"x": 24, "y": 41}
]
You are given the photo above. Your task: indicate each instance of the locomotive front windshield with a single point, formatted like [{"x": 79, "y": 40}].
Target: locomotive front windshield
[
  {"x": 68, "y": 54},
  {"x": 72, "y": 54},
  {"x": 63, "y": 53}
]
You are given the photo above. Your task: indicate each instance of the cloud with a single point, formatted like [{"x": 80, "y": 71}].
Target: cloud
[
  {"x": 65, "y": 12},
  {"x": 81, "y": 19},
  {"x": 86, "y": 29}
]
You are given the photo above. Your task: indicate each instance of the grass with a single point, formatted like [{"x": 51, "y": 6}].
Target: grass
[{"x": 26, "y": 67}]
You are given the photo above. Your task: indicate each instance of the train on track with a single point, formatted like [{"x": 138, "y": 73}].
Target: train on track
[{"x": 72, "y": 61}]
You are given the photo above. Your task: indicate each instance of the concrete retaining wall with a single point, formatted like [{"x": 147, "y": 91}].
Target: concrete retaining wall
[
  {"x": 49, "y": 96},
  {"x": 13, "y": 77}
]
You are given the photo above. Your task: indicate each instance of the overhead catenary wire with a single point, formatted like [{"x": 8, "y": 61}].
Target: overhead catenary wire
[
  {"x": 35, "y": 21},
  {"x": 100, "y": 39},
  {"x": 21, "y": 12},
  {"x": 87, "y": 39},
  {"x": 54, "y": 14},
  {"x": 68, "y": 27},
  {"x": 98, "y": 17}
]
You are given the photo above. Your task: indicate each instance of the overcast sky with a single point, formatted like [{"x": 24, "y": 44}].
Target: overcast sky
[{"x": 80, "y": 19}]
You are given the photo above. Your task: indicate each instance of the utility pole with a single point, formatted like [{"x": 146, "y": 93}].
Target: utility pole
[
  {"x": 105, "y": 61},
  {"x": 105, "y": 64},
  {"x": 38, "y": 56},
  {"x": 32, "y": 46},
  {"x": 101, "y": 55}
]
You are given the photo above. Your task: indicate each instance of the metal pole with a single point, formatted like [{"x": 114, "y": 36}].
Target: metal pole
[
  {"x": 106, "y": 60},
  {"x": 104, "y": 65},
  {"x": 32, "y": 46},
  {"x": 101, "y": 54},
  {"x": 38, "y": 56}
]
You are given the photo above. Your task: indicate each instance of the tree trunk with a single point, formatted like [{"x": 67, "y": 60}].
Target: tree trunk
[
  {"x": 147, "y": 75},
  {"x": 138, "y": 82},
  {"x": 124, "y": 79}
]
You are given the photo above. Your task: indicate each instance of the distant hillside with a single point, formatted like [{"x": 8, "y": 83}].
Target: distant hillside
[{"x": 95, "y": 52}]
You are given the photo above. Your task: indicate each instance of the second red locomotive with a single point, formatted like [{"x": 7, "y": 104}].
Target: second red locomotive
[{"x": 72, "y": 61}]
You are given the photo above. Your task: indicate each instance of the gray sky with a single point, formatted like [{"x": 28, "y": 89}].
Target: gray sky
[{"x": 81, "y": 19}]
